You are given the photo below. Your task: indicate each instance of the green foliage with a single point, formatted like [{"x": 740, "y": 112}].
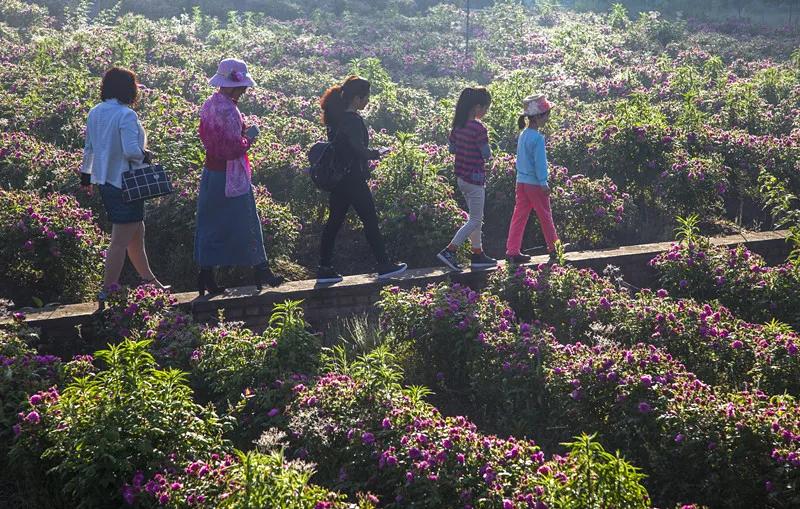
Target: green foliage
[
  {"x": 779, "y": 200},
  {"x": 599, "y": 467},
  {"x": 104, "y": 427},
  {"x": 348, "y": 420},
  {"x": 794, "y": 239},
  {"x": 417, "y": 211},
  {"x": 20, "y": 14},
  {"x": 618, "y": 17},
  {"x": 253, "y": 479},
  {"x": 249, "y": 374},
  {"x": 22, "y": 372},
  {"x": 51, "y": 248},
  {"x": 688, "y": 229}
]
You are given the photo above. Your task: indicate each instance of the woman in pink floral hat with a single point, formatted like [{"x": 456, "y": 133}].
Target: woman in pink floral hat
[{"x": 228, "y": 229}]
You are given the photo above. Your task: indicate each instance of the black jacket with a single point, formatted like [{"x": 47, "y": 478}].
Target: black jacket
[{"x": 351, "y": 139}]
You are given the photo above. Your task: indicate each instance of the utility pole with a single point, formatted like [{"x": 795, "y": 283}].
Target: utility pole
[{"x": 466, "y": 32}]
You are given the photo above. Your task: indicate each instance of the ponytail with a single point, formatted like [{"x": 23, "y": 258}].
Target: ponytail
[
  {"x": 338, "y": 98},
  {"x": 531, "y": 121},
  {"x": 469, "y": 98},
  {"x": 332, "y": 104}
]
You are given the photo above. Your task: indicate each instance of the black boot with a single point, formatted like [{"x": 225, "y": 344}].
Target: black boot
[
  {"x": 206, "y": 282},
  {"x": 263, "y": 274}
]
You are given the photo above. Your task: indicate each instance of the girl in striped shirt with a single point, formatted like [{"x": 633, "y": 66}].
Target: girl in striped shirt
[{"x": 469, "y": 141}]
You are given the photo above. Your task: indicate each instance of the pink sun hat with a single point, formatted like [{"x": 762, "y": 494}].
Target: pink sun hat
[
  {"x": 232, "y": 73},
  {"x": 535, "y": 104}
]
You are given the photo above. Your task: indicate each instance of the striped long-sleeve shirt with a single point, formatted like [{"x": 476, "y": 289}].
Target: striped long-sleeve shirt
[{"x": 469, "y": 144}]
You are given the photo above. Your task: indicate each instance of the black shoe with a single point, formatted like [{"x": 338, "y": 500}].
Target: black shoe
[
  {"x": 449, "y": 258},
  {"x": 206, "y": 283},
  {"x": 519, "y": 259},
  {"x": 387, "y": 270},
  {"x": 481, "y": 261},
  {"x": 327, "y": 275},
  {"x": 263, "y": 275}
]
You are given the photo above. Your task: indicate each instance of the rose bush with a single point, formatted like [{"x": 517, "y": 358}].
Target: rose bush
[
  {"x": 80, "y": 444},
  {"x": 737, "y": 277},
  {"x": 713, "y": 343},
  {"x": 52, "y": 250},
  {"x": 637, "y": 396},
  {"x": 370, "y": 434}
]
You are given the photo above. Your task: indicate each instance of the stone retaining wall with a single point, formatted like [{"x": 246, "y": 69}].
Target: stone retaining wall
[{"x": 67, "y": 329}]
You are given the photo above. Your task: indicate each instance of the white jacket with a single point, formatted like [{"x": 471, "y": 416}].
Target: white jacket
[{"x": 115, "y": 142}]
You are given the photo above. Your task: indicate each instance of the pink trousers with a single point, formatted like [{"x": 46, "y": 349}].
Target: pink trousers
[{"x": 530, "y": 197}]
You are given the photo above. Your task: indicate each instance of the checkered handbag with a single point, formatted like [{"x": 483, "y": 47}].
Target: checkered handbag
[{"x": 145, "y": 183}]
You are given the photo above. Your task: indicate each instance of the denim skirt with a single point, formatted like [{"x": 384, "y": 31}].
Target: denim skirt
[
  {"x": 120, "y": 212},
  {"x": 228, "y": 230}
]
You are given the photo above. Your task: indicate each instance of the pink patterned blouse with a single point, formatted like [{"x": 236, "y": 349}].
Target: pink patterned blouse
[{"x": 221, "y": 131}]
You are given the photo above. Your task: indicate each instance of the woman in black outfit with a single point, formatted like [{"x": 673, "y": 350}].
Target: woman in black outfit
[{"x": 347, "y": 131}]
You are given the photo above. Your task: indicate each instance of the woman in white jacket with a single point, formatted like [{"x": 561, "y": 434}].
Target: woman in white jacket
[{"x": 115, "y": 143}]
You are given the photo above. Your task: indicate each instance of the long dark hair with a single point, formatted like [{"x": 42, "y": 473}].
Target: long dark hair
[
  {"x": 469, "y": 98},
  {"x": 120, "y": 84},
  {"x": 337, "y": 99}
]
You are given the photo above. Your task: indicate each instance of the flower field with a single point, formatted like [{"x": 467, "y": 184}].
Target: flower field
[
  {"x": 654, "y": 118},
  {"x": 551, "y": 388},
  {"x": 512, "y": 397}
]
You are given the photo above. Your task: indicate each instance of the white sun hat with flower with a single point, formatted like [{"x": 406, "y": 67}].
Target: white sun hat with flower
[
  {"x": 232, "y": 73},
  {"x": 535, "y": 104}
]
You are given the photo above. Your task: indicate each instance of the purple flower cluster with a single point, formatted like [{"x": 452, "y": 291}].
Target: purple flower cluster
[{"x": 737, "y": 277}]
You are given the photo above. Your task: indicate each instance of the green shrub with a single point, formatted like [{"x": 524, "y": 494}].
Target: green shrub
[
  {"x": 737, "y": 277},
  {"x": 51, "y": 251},
  {"x": 253, "y": 375},
  {"x": 417, "y": 212},
  {"x": 104, "y": 427},
  {"x": 246, "y": 480}
]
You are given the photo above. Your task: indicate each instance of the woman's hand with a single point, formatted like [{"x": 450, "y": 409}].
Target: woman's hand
[
  {"x": 86, "y": 184},
  {"x": 148, "y": 157}
]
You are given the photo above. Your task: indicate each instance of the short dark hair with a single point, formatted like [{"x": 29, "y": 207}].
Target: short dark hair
[{"x": 120, "y": 84}]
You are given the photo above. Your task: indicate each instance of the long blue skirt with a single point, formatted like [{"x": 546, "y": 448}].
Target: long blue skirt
[{"x": 228, "y": 229}]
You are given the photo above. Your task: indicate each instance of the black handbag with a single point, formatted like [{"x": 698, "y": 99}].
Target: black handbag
[{"x": 145, "y": 183}]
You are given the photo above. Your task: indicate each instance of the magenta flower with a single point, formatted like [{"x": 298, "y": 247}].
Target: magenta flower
[
  {"x": 33, "y": 417},
  {"x": 644, "y": 407},
  {"x": 273, "y": 412},
  {"x": 128, "y": 494}
]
